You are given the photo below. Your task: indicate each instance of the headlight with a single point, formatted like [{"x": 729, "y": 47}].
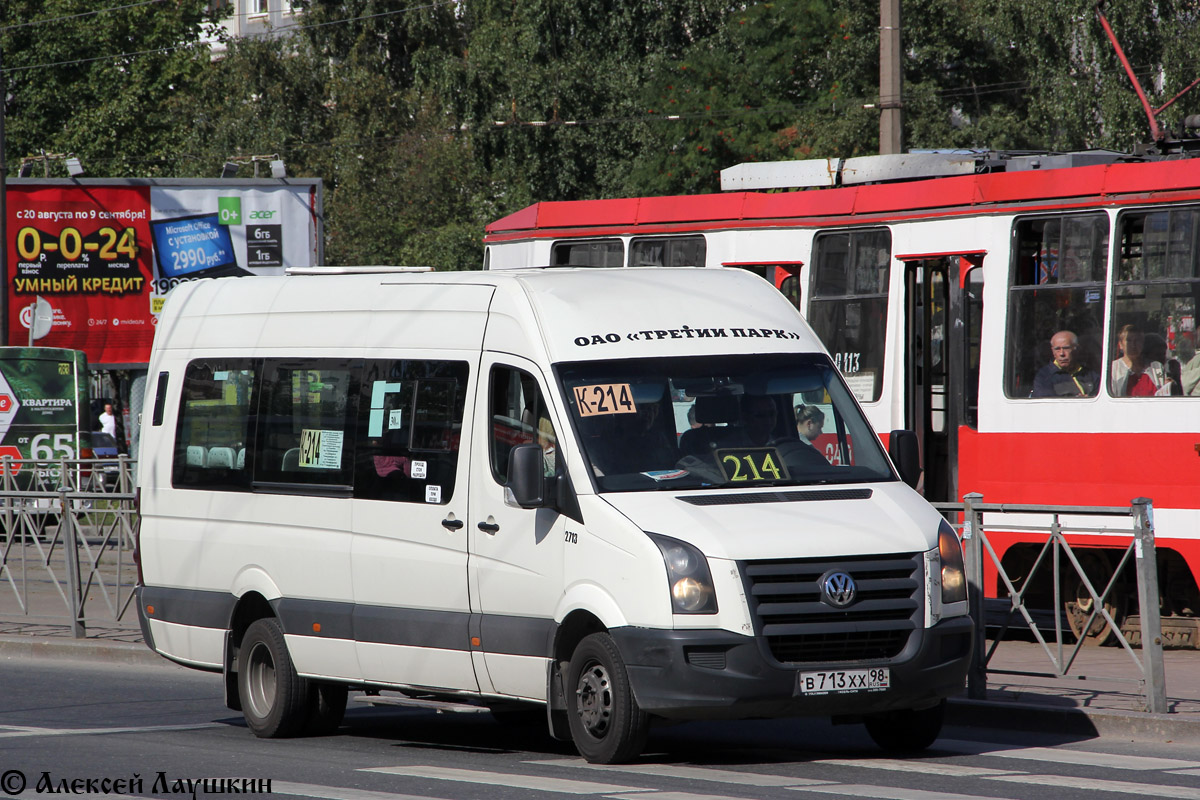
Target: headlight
[
  {"x": 954, "y": 576},
  {"x": 687, "y": 575}
]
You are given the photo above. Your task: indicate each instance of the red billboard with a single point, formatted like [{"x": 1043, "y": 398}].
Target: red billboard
[
  {"x": 86, "y": 252},
  {"x": 90, "y": 262}
]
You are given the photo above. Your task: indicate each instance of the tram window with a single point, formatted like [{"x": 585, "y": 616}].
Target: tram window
[
  {"x": 1152, "y": 341},
  {"x": 848, "y": 308},
  {"x": 1058, "y": 273},
  {"x": 790, "y": 286},
  {"x": 667, "y": 251},
  {"x": 589, "y": 253}
]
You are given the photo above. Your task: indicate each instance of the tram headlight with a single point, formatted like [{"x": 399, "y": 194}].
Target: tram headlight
[
  {"x": 954, "y": 574},
  {"x": 692, "y": 590}
]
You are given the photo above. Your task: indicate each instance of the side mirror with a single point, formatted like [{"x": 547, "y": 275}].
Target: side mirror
[
  {"x": 526, "y": 476},
  {"x": 905, "y": 451}
]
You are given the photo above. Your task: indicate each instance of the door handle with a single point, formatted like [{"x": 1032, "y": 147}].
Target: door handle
[
  {"x": 452, "y": 524},
  {"x": 488, "y": 527}
]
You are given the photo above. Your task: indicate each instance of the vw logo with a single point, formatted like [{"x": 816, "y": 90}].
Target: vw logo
[{"x": 838, "y": 589}]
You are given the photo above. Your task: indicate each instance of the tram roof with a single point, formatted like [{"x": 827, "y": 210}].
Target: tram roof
[{"x": 1104, "y": 183}]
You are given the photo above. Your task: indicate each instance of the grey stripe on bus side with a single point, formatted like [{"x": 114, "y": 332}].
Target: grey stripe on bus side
[{"x": 445, "y": 630}]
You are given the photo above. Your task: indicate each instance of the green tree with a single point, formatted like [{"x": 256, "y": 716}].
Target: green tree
[{"x": 99, "y": 84}]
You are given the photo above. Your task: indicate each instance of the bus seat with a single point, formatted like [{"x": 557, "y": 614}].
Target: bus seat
[
  {"x": 291, "y": 460},
  {"x": 220, "y": 457},
  {"x": 197, "y": 456},
  {"x": 241, "y": 458}
]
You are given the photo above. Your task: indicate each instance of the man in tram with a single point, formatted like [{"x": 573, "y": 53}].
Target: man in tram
[{"x": 1065, "y": 376}]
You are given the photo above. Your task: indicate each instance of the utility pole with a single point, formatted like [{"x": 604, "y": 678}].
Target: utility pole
[{"x": 891, "y": 115}]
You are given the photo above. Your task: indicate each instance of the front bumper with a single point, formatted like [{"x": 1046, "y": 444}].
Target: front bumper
[{"x": 716, "y": 674}]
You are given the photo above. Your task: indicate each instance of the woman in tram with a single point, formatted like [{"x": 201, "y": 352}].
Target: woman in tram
[{"x": 1133, "y": 375}]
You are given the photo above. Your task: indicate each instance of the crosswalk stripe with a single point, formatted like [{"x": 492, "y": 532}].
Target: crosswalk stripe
[
  {"x": 669, "y": 796},
  {"x": 1094, "y": 785},
  {"x": 334, "y": 792},
  {"x": 913, "y": 765},
  {"x": 17, "y": 731},
  {"x": 686, "y": 773},
  {"x": 507, "y": 779},
  {"x": 1064, "y": 756},
  {"x": 889, "y": 792}
]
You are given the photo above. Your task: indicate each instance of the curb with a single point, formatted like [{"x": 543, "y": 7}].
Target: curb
[
  {"x": 1072, "y": 720},
  {"x": 46, "y": 648}
]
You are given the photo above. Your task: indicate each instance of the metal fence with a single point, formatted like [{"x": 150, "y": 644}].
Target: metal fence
[
  {"x": 66, "y": 542},
  {"x": 1057, "y": 555}
]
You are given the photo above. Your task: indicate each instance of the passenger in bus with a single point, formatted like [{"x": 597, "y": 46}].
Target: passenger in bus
[
  {"x": 810, "y": 421},
  {"x": 547, "y": 441},
  {"x": 1065, "y": 376},
  {"x": 1133, "y": 375},
  {"x": 758, "y": 420},
  {"x": 1189, "y": 365}
]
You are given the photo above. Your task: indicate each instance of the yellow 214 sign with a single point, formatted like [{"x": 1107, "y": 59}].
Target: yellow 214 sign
[{"x": 752, "y": 464}]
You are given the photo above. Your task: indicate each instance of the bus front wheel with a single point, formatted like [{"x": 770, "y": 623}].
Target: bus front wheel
[{"x": 607, "y": 725}]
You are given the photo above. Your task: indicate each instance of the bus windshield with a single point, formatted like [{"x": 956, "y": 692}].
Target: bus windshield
[{"x": 719, "y": 422}]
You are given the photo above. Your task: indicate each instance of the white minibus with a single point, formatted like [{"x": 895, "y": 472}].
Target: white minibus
[{"x": 586, "y": 492}]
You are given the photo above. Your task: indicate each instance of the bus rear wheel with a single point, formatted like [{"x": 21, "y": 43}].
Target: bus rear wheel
[{"x": 275, "y": 700}]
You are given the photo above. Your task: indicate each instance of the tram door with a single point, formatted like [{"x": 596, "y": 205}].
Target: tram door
[{"x": 943, "y": 310}]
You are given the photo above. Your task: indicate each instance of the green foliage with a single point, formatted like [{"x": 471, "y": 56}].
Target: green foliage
[
  {"x": 428, "y": 120},
  {"x": 99, "y": 86}
]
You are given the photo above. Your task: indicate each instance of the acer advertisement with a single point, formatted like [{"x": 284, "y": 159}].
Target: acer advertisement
[{"x": 90, "y": 262}]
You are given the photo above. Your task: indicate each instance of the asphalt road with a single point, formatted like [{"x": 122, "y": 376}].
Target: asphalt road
[{"x": 70, "y": 725}]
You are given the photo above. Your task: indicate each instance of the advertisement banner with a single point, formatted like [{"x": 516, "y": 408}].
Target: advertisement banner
[{"x": 90, "y": 262}]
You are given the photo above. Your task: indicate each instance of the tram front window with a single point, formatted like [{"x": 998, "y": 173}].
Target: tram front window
[{"x": 632, "y": 419}]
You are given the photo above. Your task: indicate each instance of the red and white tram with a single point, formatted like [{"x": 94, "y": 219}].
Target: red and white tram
[{"x": 937, "y": 282}]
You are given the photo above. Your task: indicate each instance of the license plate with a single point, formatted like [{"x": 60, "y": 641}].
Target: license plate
[{"x": 843, "y": 681}]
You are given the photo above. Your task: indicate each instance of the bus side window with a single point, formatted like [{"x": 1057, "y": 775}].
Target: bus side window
[
  {"x": 519, "y": 416},
  {"x": 160, "y": 399},
  {"x": 409, "y": 429},
  {"x": 1057, "y": 287},
  {"x": 216, "y": 423},
  {"x": 306, "y": 421},
  {"x": 1156, "y": 291}
]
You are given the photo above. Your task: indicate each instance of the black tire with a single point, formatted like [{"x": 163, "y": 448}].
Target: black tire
[
  {"x": 607, "y": 725},
  {"x": 275, "y": 700},
  {"x": 327, "y": 708},
  {"x": 907, "y": 731}
]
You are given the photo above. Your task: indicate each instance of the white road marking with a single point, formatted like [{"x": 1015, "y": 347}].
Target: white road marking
[
  {"x": 670, "y": 796},
  {"x": 891, "y": 792},
  {"x": 686, "y": 773},
  {"x": 1059, "y": 755},
  {"x": 14, "y": 731},
  {"x": 335, "y": 792},
  {"x": 914, "y": 765},
  {"x": 1091, "y": 784},
  {"x": 534, "y": 782}
]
